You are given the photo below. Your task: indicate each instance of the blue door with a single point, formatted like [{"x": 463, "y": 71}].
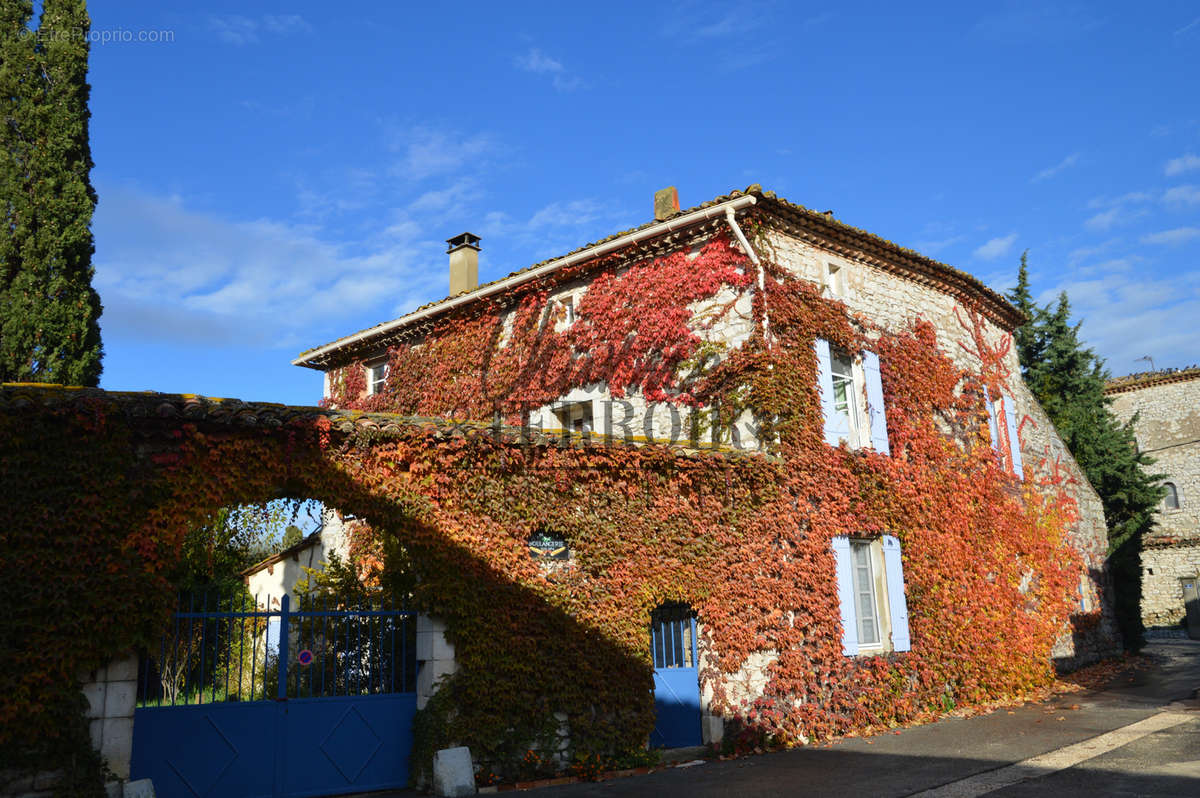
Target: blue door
[
  {"x": 240, "y": 702},
  {"x": 676, "y": 677}
]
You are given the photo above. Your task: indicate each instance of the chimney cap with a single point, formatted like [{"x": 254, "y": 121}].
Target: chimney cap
[{"x": 463, "y": 240}]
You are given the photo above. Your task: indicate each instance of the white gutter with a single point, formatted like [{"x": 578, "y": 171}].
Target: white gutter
[
  {"x": 725, "y": 208},
  {"x": 762, "y": 285}
]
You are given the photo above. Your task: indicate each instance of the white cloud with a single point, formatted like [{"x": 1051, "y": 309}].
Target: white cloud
[
  {"x": 1188, "y": 27},
  {"x": 1184, "y": 163},
  {"x": 1182, "y": 195},
  {"x": 1179, "y": 235},
  {"x": 539, "y": 63},
  {"x": 165, "y": 271},
  {"x": 1083, "y": 253},
  {"x": 240, "y": 30},
  {"x": 996, "y": 247},
  {"x": 1103, "y": 220},
  {"x": 428, "y": 151},
  {"x": 1130, "y": 198},
  {"x": 1051, "y": 171},
  {"x": 933, "y": 247},
  {"x": 1126, "y": 319}
]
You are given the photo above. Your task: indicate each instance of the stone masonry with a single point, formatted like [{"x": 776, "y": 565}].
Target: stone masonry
[{"x": 1167, "y": 405}]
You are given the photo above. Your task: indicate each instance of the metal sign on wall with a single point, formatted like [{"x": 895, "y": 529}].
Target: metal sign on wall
[{"x": 547, "y": 546}]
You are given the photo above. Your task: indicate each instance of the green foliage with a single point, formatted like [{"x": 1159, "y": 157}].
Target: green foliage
[
  {"x": 232, "y": 539},
  {"x": 49, "y": 312},
  {"x": 1068, "y": 380}
]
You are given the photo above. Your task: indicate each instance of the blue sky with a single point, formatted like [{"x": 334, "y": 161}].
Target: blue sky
[{"x": 277, "y": 175}]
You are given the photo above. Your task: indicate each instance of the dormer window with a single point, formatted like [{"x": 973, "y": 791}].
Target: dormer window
[{"x": 377, "y": 378}]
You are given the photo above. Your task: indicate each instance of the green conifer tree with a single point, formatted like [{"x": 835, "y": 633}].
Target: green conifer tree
[
  {"x": 49, "y": 312},
  {"x": 1068, "y": 379}
]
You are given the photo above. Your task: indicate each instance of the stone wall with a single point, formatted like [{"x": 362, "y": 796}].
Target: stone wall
[
  {"x": 1168, "y": 430},
  {"x": 111, "y": 694}
]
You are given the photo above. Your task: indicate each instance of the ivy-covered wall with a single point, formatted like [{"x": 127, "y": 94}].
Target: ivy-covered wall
[
  {"x": 1001, "y": 573},
  {"x": 99, "y": 489}
]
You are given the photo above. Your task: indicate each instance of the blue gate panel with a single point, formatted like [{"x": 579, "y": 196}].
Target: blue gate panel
[
  {"x": 677, "y": 707},
  {"x": 343, "y": 745},
  {"x": 206, "y": 750},
  {"x": 676, "y": 677}
]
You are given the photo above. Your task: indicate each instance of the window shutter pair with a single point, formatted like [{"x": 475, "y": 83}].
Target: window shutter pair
[
  {"x": 897, "y": 605},
  {"x": 835, "y": 425},
  {"x": 1010, "y": 424}
]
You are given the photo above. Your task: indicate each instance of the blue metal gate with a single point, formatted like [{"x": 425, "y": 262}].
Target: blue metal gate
[
  {"x": 241, "y": 701},
  {"x": 676, "y": 677}
]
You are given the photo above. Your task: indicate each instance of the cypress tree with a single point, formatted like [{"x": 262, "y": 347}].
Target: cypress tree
[
  {"x": 1068, "y": 379},
  {"x": 49, "y": 312}
]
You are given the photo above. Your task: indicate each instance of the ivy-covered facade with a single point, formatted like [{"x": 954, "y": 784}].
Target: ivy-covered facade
[
  {"x": 928, "y": 540},
  {"x": 893, "y": 531}
]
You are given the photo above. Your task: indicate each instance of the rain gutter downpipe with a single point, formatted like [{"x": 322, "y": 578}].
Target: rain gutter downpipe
[{"x": 762, "y": 284}]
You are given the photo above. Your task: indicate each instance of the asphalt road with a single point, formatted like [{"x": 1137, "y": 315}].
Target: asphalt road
[{"x": 1136, "y": 738}]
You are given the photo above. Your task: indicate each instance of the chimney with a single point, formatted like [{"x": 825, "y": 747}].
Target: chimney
[
  {"x": 666, "y": 203},
  {"x": 464, "y": 263}
]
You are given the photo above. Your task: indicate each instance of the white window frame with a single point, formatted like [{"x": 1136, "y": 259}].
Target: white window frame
[
  {"x": 847, "y": 375},
  {"x": 870, "y": 602},
  {"x": 377, "y": 375}
]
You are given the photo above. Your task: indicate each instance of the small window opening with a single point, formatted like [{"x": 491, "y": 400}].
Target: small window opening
[
  {"x": 1171, "y": 500},
  {"x": 864, "y": 594}
]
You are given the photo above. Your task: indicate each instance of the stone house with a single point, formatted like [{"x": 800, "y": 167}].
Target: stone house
[
  {"x": 1167, "y": 427},
  {"x": 885, "y": 286}
]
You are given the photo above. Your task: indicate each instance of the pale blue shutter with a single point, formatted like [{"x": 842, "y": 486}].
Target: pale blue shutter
[
  {"x": 835, "y": 425},
  {"x": 1014, "y": 442},
  {"x": 879, "y": 436},
  {"x": 897, "y": 606},
  {"x": 992, "y": 426},
  {"x": 845, "y": 585}
]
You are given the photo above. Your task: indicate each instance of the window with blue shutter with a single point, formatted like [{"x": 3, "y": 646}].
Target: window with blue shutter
[
  {"x": 993, "y": 428},
  {"x": 845, "y": 583},
  {"x": 1014, "y": 441},
  {"x": 837, "y": 424},
  {"x": 897, "y": 605},
  {"x": 864, "y": 605},
  {"x": 875, "y": 411}
]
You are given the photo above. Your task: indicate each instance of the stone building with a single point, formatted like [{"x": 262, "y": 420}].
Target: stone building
[
  {"x": 885, "y": 286},
  {"x": 1167, "y": 426}
]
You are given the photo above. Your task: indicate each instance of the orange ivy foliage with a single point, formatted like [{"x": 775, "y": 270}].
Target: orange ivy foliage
[{"x": 745, "y": 539}]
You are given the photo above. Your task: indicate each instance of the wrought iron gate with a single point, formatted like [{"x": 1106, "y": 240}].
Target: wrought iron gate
[{"x": 242, "y": 700}]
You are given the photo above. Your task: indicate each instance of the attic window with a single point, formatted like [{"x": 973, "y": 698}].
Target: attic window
[
  {"x": 835, "y": 280},
  {"x": 575, "y": 417}
]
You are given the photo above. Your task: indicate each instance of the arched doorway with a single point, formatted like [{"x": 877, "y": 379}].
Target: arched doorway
[{"x": 676, "y": 676}]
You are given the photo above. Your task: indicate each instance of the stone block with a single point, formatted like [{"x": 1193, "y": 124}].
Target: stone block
[
  {"x": 95, "y": 693},
  {"x": 712, "y": 729},
  {"x": 117, "y": 745},
  {"x": 96, "y": 730},
  {"x": 142, "y": 788},
  {"x": 114, "y": 789},
  {"x": 453, "y": 773},
  {"x": 119, "y": 699},
  {"x": 425, "y": 645},
  {"x": 47, "y": 779},
  {"x": 443, "y": 649},
  {"x": 123, "y": 670},
  {"x": 428, "y": 624}
]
